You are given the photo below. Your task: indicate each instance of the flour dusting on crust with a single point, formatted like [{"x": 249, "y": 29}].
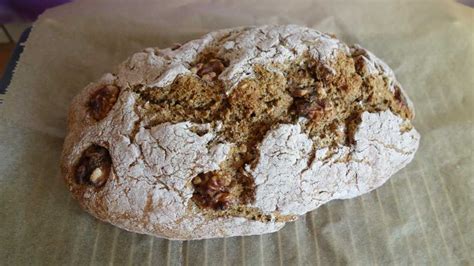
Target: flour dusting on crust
[
  {"x": 242, "y": 47},
  {"x": 287, "y": 181}
]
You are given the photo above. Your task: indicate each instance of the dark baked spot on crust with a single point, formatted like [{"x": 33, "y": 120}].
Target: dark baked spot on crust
[
  {"x": 102, "y": 101},
  {"x": 94, "y": 167},
  {"x": 402, "y": 102}
]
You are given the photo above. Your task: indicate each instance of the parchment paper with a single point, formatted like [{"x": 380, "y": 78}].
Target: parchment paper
[{"x": 423, "y": 215}]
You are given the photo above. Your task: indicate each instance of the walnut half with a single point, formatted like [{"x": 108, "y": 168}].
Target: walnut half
[
  {"x": 212, "y": 191},
  {"x": 93, "y": 167},
  {"x": 209, "y": 70},
  {"x": 102, "y": 101}
]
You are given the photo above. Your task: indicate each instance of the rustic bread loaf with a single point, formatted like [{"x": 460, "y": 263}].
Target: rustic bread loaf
[{"x": 235, "y": 133}]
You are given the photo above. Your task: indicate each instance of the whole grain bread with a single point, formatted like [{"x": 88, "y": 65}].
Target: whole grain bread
[{"x": 235, "y": 133}]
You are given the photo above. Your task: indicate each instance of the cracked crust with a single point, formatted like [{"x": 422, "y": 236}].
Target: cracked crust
[{"x": 292, "y": 117}]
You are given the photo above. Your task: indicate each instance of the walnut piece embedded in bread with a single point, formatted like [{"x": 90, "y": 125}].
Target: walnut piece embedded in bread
[{"x": 235, "y": 133}]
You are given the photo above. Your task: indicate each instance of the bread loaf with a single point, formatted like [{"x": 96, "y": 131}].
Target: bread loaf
[{"x": 235, "y": 133}]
